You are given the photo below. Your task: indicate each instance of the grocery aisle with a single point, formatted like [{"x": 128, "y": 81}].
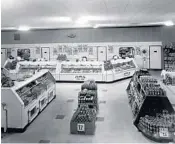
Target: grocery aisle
[{"x": 114, "y": 122}]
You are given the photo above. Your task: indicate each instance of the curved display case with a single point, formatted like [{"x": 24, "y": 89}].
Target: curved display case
[
  {"x": 26, "y": 99},
  {"x": 67, "y": 71}
]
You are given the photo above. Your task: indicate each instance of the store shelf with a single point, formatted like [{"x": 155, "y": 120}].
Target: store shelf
[{"x": 151, "y": 108}]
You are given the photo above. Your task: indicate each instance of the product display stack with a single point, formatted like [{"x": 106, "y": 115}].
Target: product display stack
[
  {"x": 153, "y": 114},
  {"x": 168, "y": 74},
  {"x": 83, "y": 120}
]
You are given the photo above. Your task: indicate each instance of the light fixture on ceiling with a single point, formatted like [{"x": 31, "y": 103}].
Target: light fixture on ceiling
[
  {"x": 86, "y": 19},
  {"x": 61, "y": 19},
  {"x": 104, "y": 25},
  {"x": 24, "y": 28},
  {"x": 168, "y": 23},
  {"x": 95, "y": 26},
  {"x": 81, "y": 20}
]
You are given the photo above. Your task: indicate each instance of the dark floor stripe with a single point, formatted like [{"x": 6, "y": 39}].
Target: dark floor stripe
[
  {"x": 70, "y": 100},
  {"x": 102, "y": 102},
  {"x": 60, "y": 117},
  {"x": 44, "y": 141},
  {"x": 100, "y": 119}
]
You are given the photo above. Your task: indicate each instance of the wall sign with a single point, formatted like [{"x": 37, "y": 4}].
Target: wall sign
[
  {"x": 80, "y": 78},
  {"x": 81, "y": 127}
]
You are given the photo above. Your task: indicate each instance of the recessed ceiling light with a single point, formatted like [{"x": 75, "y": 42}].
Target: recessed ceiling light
[
  {"x": 96, "y": 26},
  {"x": 60, "y": 19},
  {"x": 168, "y": 23},
  {"x": 104, "y": 25},
  {"x": 24, "y": 28},
  {"x": 81, "y": 20}
]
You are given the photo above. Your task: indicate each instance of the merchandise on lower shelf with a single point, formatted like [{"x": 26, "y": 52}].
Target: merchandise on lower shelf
[
  {"x": 27, "y": 98},
  {"x": 153, "y": 114},
  {"x": 81, "y": 67}
]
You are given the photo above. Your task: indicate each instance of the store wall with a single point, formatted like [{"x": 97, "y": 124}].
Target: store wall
[{"x": 141, "y": 34}]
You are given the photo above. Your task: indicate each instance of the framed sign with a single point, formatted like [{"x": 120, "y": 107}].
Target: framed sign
[{"x": 81, "y": 127}]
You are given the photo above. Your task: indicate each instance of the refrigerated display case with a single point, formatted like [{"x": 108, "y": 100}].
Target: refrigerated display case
[
  {"x": 80, "y": 71},
  {"x": 27, "y": 66},
  {"x": 26, "y": 99},
  {"x": 120, "y": 69},
  {"x": 24, "y": 68}
]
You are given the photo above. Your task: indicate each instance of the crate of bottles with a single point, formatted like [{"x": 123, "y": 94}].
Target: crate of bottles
[
  {"x": 160, "y": 128},
  {"x": 83, "y": 121},
  {"x": 88, "y": 94},
  {"x": 88, "y": 97}
]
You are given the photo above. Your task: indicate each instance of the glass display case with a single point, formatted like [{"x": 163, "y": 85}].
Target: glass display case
[
  {"x": 80, "y": 71},
  {"x": 29, "y": 67},
  {"x": 34, "y": 89},
  {"x": 125, "y": 64},
  {"x": 27, "y": 98}
]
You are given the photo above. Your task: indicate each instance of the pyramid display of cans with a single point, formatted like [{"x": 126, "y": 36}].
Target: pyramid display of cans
[
  {"x": 83, "y": 120},
  {"x": 153, "y": 114}
]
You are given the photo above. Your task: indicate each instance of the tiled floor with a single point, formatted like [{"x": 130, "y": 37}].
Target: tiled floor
[{"x": 114, "y": 122}]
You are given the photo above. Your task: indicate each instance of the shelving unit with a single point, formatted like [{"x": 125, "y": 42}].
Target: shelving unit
[
  {"x": 26, "y": 99},
  {"x": 169, "y": 58},
  {"x": 153, "y": 114}
]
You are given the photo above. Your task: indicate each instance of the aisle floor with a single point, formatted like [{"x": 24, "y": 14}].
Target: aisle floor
[{"x": 114, "y": 125}]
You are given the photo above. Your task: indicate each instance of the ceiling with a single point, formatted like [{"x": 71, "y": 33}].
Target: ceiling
[{"x": 47, "y": 13}]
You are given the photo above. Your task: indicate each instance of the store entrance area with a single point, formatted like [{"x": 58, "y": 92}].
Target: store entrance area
[{"x": 114, "y": 121}]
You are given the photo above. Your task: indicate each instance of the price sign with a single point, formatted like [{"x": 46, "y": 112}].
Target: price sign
[
  {"x": 163, "y": 132},
  {"x": 126, "y": 74},
  {"x": 80, "y": 127}
]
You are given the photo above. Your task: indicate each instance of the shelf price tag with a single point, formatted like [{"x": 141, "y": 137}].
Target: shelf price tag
[
  {"x": 163, "y": 132},
  {"x": 80, "y": 127}
]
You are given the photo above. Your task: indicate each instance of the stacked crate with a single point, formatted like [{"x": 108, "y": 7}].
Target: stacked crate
[{"x": 83, "y": 120}]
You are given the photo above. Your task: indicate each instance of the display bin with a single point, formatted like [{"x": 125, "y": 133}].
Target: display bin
[
  {"x": 153, "y": 114},
  {"x": 86, "y": 128},
  {"x": 83, "y": 120}
]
